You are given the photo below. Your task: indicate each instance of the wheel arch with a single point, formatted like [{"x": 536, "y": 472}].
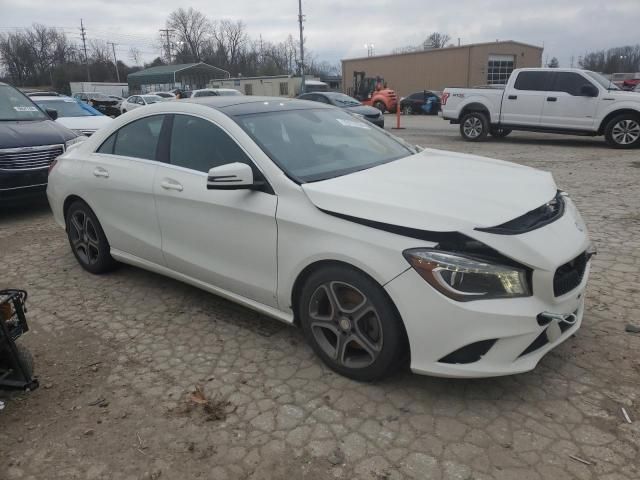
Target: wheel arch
[
  {"x": 615, "y": 113},
  {"x": 475, "y": 107},
  {"x": 306, "y": 272},
  {"x": 69, "y": 201}
]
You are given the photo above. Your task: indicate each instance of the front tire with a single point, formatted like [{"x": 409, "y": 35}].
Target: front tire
[
  {"x": 351, "y": 324},
  {"x": 407, "y": 110},
  {"x": 380, "y": 106},
  {"x": 623, "y": 131},
  {"x": 474, "y": 126},
  {"x": 87, "y": 239}
]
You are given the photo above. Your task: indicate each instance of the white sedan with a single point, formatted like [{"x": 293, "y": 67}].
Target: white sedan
[
  {"x": 380, "y": 251},
  {"x": 79, "y": 117},
  {"x": 135, "y": 101}
]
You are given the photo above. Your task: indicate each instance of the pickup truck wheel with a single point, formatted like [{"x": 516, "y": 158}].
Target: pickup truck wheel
[
  {"x": 380, "y": 106},
  {"x": 499, "y": 132},
  {"x": 623, "y": 131},
  {"x": 474, "y": 126}
]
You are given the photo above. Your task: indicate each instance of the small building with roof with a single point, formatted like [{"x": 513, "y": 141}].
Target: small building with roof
[{"x": 185, "y": 76}]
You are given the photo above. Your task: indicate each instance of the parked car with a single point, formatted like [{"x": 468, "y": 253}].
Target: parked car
[
  {"x": 210, "y": 92},
  {"x": 167, "y": 95},
  {"x": 101, "y": 102},
  {"x": 554, "y": 100},
  {"x": 42, "y": 94},
  {"x": 77, "y": 116},
  {"x": 29, "y": 141},
  {"x": 379, "y": 250},
  {"x": 348, "y": 103},
  {"x": 135, "y": 101},
  {"x": 426, "y": 102}
]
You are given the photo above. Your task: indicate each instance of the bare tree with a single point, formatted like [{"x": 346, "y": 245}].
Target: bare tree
[
  {"x": 192, "y": 28},
  {"x": 436, "y": 40},
  {"x": 135, "y": 55},
  {"x": 553, "y": 63}
]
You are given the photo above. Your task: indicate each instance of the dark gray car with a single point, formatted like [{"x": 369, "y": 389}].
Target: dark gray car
[{"x": 350, "y": 104}]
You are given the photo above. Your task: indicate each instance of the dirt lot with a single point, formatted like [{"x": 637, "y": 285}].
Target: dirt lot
[{"x": 118, "y": 356}]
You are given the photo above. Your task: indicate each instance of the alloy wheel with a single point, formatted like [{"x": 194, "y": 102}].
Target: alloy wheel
[
  {"x": 626, "y": 132},
  {"x": 345, "y": 324},
  {"x": 84, "y": 237},
  {"x": 472, "y": 127}
]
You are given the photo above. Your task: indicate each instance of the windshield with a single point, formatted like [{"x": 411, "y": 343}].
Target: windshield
[
  {"x": 602, "y": 80},
  {"x": 342, "y": 100},
  {"x": 68, "y": 108},
  {"x": 317, "y": 144},
  {"x": 15, "y": 106},
  {"x": 164, "y": 95},
  {"x": 152, "y": 98},
  {"x": 99, "y": 96}
]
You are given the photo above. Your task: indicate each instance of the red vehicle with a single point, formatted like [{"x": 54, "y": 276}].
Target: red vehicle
[{"x": 374, "y": 92}]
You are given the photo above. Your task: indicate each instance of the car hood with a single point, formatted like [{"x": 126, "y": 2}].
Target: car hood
[
  {"x": 625, "y": 94},
  {"x": 33, "y": 133},
  {"x": 436, "y": 191},
  {"x": 363, "y": 110},
  {"x": 85, "y": 123}
]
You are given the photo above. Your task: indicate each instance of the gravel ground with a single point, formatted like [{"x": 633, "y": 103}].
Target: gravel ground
[{"x": 119, "y": 355}]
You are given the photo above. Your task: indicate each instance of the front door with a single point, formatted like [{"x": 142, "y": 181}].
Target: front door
[
  {"x": 225, "y": 238},
  {"x": 566, "y": 106}
]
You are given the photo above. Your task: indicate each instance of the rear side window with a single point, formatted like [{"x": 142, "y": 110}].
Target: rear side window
[
  {"x": 205, "y": 93},
  {"x": 138, "y": 139},
  {"x": 569, "y": 82},
  {"x": 534, "y": 81},
  {"x": 199, "y": 145}
]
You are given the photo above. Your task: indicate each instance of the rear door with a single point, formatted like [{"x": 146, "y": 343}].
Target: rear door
[
  {"x": 524, "y": 100},
  {"x": 225, "y": 238},
  {"x": 566, "y": 106},
  {"x": 119, "y": 179}
]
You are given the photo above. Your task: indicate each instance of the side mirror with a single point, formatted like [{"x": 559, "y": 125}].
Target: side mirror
[
  {"x": 53, "y": 114},
  {"x": 588, "y": 90},
  {"x": 232, "y": 176}
]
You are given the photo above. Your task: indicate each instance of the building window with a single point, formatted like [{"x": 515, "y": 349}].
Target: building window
[
  {"x": 248, "y": 89},
  {"x": 499, "y": 69},
  {"x": 284, "y": 88}
]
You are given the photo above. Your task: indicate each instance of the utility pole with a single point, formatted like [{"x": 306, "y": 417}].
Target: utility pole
[
  {"x": 300, "y": 20},
  {"x": 83, "y": 34},
  {"x": 115, "y": 60},
  {"x": 166, "y": 32}
]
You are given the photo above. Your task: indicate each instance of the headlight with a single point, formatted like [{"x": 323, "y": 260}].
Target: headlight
[
  {"x": 358, "y": 115},
  {"x": 74, "y": 141},
  {"x": 466, "y": 278}
]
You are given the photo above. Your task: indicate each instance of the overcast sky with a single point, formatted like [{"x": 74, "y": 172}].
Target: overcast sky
[{"x": 337, "y": 29}]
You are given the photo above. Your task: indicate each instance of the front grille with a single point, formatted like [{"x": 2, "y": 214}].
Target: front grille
[
  {"x": 569, "y": 275},
  {"x": 29, "y": 158}
]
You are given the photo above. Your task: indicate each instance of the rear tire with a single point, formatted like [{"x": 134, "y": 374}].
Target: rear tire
[
  {"x": 498, "y": 132},
  {"x": 351, "y": 324},
  {"x": 623, "y": 131},
  {"x": 26, "y": 359},
  {"x": 380, "y": 106},
  {"x": 474, "y": 126},
  {"x": 407, "y": 110},
  {"x": 88, "y": 242}
]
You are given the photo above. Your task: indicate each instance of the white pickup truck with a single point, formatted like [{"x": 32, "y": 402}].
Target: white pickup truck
[{"x": 554, "y": 100}]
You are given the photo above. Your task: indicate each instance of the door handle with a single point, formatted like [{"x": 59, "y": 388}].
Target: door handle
[
  {"x": 100, "y": 172},
  {"x": 512, "y": 97},
  {"x": 171, "y": 185},
  {"x": 552, "y": 99}
]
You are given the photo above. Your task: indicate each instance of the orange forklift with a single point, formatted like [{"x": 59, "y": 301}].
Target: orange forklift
[{"x": 374, "y": 92}]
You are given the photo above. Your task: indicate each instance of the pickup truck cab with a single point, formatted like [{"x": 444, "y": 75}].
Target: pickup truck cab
[{"x": 554, "y": 100}]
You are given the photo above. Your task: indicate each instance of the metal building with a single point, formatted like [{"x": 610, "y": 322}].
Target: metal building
[
  {"x": 186, "y": 76},
  {"x": 435, "y": 69}
]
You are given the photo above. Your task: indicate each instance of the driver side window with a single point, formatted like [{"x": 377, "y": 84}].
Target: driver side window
[{"x": 199, "y": 145}]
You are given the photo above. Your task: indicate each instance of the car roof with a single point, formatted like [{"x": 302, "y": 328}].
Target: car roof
[{"x": 248, "y": 104}]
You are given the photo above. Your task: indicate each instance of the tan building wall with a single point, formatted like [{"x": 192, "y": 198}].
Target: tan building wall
[{"x": 462, "y": 66}]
